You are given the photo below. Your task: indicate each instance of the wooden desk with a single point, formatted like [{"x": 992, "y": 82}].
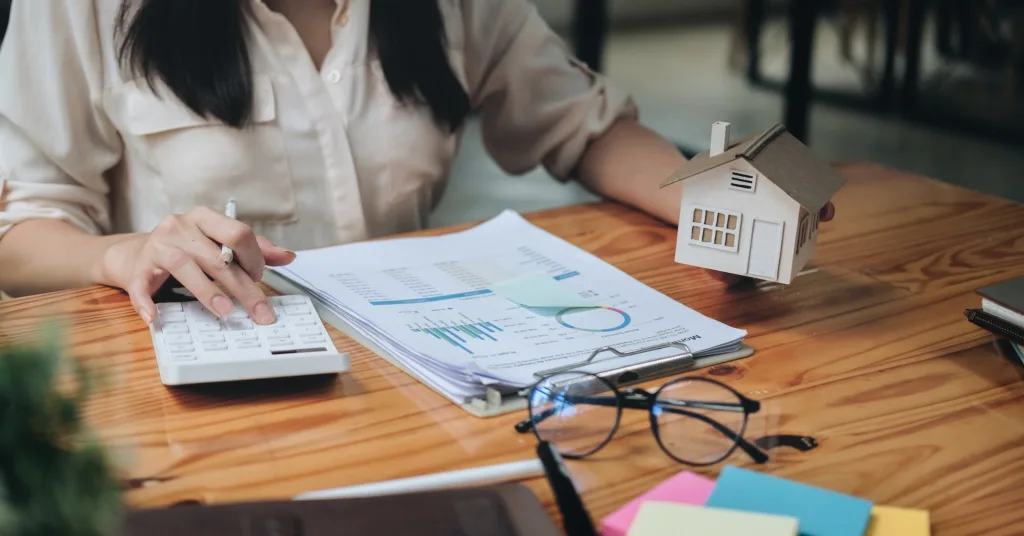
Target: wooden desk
[{"x": 871, "y": 354}]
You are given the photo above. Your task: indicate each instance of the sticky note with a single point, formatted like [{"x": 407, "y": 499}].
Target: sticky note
[
  {"x": 821, "y": 512},
  {"x": 539, "y": 291},
  {"x": 683, "y": 488},
  {"x": 892, "y": 521},
  {"x": 663, "y": 519}
]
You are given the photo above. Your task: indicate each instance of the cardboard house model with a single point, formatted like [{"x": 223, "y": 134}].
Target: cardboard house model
[{"x": 751, "y": 207}]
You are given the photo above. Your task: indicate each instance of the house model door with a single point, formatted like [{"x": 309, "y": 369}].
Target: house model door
[{"x": 765, "y": 249}]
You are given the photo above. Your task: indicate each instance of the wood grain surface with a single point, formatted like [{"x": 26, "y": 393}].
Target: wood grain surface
[{"x": 870, "y": 353}]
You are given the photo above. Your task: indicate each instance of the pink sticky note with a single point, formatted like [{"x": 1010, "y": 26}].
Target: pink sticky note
[{"x": 684, "y": 488}]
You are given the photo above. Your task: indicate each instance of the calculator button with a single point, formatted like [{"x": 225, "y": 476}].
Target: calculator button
[
  {"x": 211, "y": 337},
  {"x": 207, "y": 326},
  {"x": 204, "y": 318},
  {"x": 215, "y": 346},
  {"x": 168, "y": 307},
  {"x": 313, "y": 338},
  {"x": 180, "y": 348},
  {"x": 297, "y": 310},
  {"x": 175, "y": 328},
  {"x": 281, "y": 342},
  {"x": 292, "y": 300},
  {"x": 247, "y": 345},
  {"x": 172, "y": 318},
  {"x": 238, "y": 325},
  {"x": 177, "y": 339},
  {"x": 305, "y": 320},
  {"x": 198, "y": 308},
  {"x": 238, "y": 314},
  {"x": 183, "y": 357},
  {"x": 308, "y": 330},
  {"x": 277, "y": 333},
  {"x": 244, "y": 335}
]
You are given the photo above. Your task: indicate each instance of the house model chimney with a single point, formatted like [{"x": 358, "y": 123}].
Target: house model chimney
[{"x": 719, "y": 138}]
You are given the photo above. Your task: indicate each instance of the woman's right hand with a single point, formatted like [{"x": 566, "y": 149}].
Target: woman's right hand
[{"x": 188, "y": 247}]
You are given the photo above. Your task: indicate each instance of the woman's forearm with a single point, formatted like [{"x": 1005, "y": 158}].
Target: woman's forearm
[
  {"x": 44, "y": 255},
  {"x": 628, "y": 163}
]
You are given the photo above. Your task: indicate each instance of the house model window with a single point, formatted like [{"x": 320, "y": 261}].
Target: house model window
[
  {"x": 715, "y": 228},
  {"x": 808, "y": 228}
]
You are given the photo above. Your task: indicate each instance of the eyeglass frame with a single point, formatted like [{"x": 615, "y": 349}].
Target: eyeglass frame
[{"x": 638, "y": 398}]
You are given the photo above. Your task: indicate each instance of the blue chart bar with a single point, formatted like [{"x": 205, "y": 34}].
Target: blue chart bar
[{"x": 459, "y": 335}]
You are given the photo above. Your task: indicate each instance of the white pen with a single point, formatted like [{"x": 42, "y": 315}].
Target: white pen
[
  {"x": 231, "y": 210},
  {"x": 477, "y": 476}
]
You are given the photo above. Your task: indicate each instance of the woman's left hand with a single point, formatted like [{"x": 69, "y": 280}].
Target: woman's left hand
[{"x": 731, "y": 280}]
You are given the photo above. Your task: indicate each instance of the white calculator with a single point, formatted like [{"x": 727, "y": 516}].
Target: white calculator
[{"x": 194, "y": 346}]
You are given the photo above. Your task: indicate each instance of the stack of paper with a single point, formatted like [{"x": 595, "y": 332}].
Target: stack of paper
[{"x": 491, "y": 306}]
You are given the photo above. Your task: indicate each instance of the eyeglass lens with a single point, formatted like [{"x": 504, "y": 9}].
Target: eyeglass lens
[
  {"x": 575, "y": 412},
  {"x": 683, "y": 410}
]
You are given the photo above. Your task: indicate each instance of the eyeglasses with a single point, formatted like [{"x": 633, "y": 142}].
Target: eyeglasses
[{"x": 696, "y": 421}]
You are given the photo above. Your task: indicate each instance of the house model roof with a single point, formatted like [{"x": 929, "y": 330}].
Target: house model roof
[{"x": 782, "y": 159}]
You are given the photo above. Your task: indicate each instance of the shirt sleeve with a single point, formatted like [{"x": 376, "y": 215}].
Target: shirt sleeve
[
  {"x": 537, "y": 103},
  {"x": 55, "y": 141}
]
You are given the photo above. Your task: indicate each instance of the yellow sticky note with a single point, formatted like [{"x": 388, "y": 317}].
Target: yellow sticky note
[
  {"x": 892, "y": 521},
  {"x": 657, "y": 518}
]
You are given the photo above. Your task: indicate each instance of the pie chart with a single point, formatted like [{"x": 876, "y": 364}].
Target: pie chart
[{"x": 593, "y": 319}]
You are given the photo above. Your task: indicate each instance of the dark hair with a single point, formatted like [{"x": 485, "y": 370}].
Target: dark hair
[
  {"x": 5, "y": 15},
  {"x": 199, "y": 49}
]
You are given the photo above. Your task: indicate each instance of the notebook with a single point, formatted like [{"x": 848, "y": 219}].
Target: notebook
[
  {"x": 1005, "y": 300},
  {"x": 501, "y": 510}
]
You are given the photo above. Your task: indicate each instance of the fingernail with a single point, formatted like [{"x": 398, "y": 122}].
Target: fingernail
[
  {"x": 222, "y": 306},
  {"x": 263, "y": 314},
  {"x": 145, "y": 316}
]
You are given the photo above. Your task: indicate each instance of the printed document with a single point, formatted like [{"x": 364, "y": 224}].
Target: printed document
[{"x": 493, "y": 305}]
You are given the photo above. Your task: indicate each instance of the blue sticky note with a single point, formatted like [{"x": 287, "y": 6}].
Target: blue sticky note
[{"x": 821, "y": 512}]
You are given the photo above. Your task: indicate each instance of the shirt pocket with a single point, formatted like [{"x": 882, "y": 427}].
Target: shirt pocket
[{"x": 203, "y": 162}]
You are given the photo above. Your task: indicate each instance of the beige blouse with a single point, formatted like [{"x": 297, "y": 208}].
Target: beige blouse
[{"x": 332, "y": 158}]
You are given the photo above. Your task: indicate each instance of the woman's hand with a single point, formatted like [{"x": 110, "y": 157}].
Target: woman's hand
[
  {"x": 188, "y": 247},
  {"x": 827, "y": 213}
]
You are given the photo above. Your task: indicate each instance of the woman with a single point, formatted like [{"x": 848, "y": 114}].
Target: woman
[{"x": 125, "y": 125}]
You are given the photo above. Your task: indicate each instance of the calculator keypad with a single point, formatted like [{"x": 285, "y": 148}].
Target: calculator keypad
[{"x": 190, "y": 332}]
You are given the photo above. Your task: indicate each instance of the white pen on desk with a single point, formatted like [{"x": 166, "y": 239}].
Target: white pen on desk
[
  {"x": 476, "y": 476},
  {"x": 231, "y": 210}
]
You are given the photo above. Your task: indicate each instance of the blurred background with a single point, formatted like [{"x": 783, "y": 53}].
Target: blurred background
[{"x": 934, "y": 87}]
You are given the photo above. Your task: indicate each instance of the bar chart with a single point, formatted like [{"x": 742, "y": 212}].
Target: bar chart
[{"x": 459, "y": 334}]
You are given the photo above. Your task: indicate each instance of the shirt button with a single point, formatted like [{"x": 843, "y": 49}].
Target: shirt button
[{"x": 334, "y": 77}]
